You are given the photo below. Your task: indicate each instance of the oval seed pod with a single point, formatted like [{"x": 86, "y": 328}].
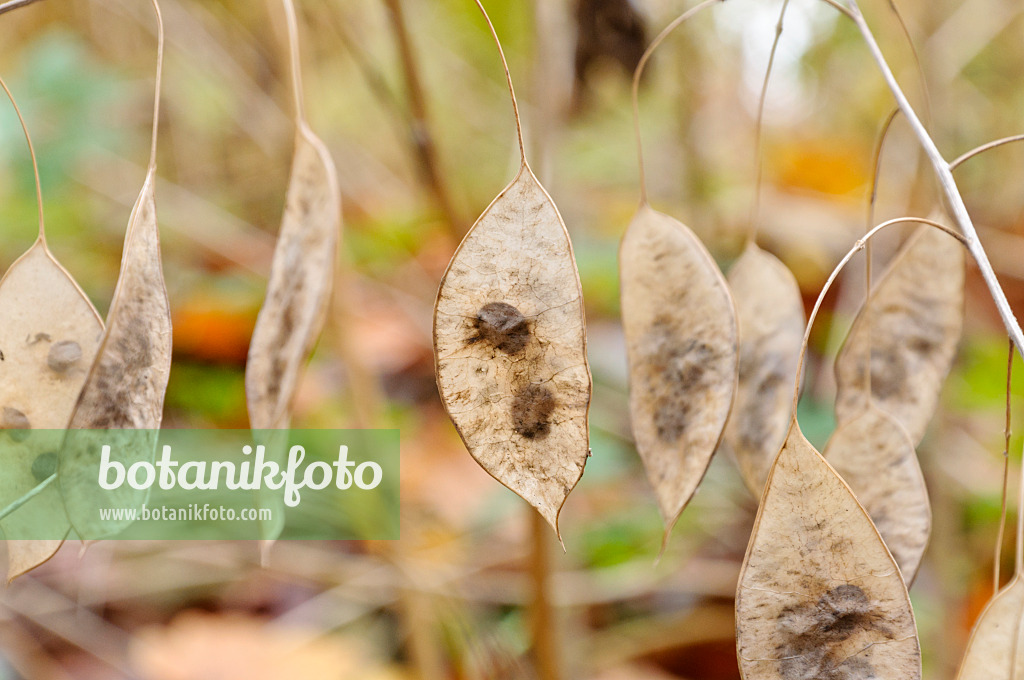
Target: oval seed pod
[
  {"x": 874, "y": 455},
  {"x": 770, "y": 314},
  {"x": 39, "y": 301},
  {"x": 681, "y": 341},
  {"x": 510, "y": 349},
  {"x": 916, "y": 315},
  {"x": 127, "y": 380},
  {"x": 819, "y": 594},
  {"x": 995, "y": 650}
]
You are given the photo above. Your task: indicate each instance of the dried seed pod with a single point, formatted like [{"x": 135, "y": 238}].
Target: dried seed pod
[
  {"x": 819, "y": 594},
  {"x": 510, "y": 347},
  {"x": 125, "y": 385},
  {"x": 63, "y": 355},
  {"x": 874, "y": 455},
  {"x": 995, "y": 650},
  {"x": 912, "y": 323},
  {"x": 770, "y": 314},
  {"x": 682, "y": 345},
  {"x": 299, "y": 288}
]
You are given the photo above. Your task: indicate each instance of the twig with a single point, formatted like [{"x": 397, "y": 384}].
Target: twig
[
  {"x": 946, "y": 181},
  {"x": 35, "y": 491},
  {"x": 419, "y": 125},
  {"x": 14, "y": 4},
  {"x": 983, "y": 148},
  {"x": 542, "y": 624}
]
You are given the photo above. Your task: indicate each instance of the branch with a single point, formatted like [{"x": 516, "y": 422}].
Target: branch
[
  {"x": 14, "y": 4},
  {"x": 946, "y": 182}
]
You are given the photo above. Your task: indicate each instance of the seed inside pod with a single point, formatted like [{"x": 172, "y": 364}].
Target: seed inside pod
[
  {"x": 13, "y": 419},
  {"x": 44, "y": 465},
  {"x": 63, "y": 355}
]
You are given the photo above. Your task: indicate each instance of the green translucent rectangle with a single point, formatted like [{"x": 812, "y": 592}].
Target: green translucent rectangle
[{"x": 199, "y": 484}]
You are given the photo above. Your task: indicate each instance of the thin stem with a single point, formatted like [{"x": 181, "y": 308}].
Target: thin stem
[
  {"x": 545, "y": 640},
  {"x": 877, "y": 165},
  {"x": 857, "y": 247},
  {"x": 839, "y": 8},
  {"x": 639, "y": 71},
  {"x": 917, "y": 61},
  {"x": 32, "y": 153},
  {"x": 1018, "y": 565},
  {"x": 946, "y": 181},
  {"x": 1006, "y": 476},
  {"x": 420, "y": 132},
  {"x": 296, "y": 66},
  {"x": 159, "y": 75},
  {"x": 36, "y": 490},
  {"x": 758, "y": 128},
  {"x": 14, "y": 4},
  {"x": 508, "y": 77},
  {"x": 984, "y": 147}
]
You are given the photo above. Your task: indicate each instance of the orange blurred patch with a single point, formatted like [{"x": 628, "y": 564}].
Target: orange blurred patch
[
  {"x": 207, "y": 331},
  {"x": 826, "y": 166}
]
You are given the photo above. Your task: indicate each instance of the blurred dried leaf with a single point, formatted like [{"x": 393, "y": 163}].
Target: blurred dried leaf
[
  {"x": 510, "y": 348},
  {"x": 770, "y": 314},
  {"x": 681, "y": 340},
  {"x": 874, "y": 455},
  {"x": 912, "y": 323},
  {"x": 819, "y": 594}
]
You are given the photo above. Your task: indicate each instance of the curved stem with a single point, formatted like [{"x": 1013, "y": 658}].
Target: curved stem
[
  {"x": 32, "y": 153},
  {"x": 758, "y": 129},
  {"x": 296, "y": 67},
  {"x": 946, "y": 181},
  {"x": 858, "y": 246},
  {"x": 1006, "y": 476},
  {"x": 508, "y": 78},
  {"x": 159, "y": 75},
  {"x": 983, "y": 148},
  {"x": 877, "y": 165},
  {"x": 639, "y": 71},
  {"x": 926, "y": 101}
]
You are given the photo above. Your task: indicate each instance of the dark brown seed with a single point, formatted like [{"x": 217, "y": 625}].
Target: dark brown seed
[
  {"x": 531, "y": 411},
  {"x": 502, "y": 326}
]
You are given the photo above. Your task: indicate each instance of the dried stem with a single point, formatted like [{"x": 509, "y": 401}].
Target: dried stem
[
  {"x": 759, "y": 128},
  {"x": 35, "y": 163},
  {"x": 14, "y": 4},
  {"x": 926, "y": 101},
  {"x": 983, "y": 148},
  {"x": 159, "y": 75},
  {"x": 945, "y": 177},
  {"x": 877, "y": 165},
  {"x": 1006, "y": 477},
  {"x": 419, "y": 123},
  {"x": 857, "y": 247},
  {"x": 639, "y": 71},
  {"x": 296, "y": 65},
  {"x": 508, "y": 77},
  {"x": 542, "y": 618}
]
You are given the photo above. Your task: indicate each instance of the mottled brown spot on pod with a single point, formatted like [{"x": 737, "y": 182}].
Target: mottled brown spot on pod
[
  {"x": 13, "y": 419},
  {"x": 677, "y": 374},
  {"x": 811, "y": 633},
  {"x": 44, "y": 465},
  {"x": 502, "y": 326},
  {"x": 63, "y": 355},
  {"x": 531, "y": 411}
]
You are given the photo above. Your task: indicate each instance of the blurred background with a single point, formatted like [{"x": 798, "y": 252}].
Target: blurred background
[{"x": 410, "y": 98}]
